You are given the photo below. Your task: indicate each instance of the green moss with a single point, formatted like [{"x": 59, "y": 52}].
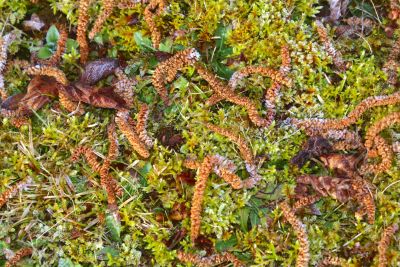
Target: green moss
[{"x": 61, "y": 214}]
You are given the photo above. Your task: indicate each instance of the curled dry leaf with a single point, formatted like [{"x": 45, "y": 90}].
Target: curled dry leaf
[
  {"x": 314, "y": 147},
  {"x": 97, "y": 70}
]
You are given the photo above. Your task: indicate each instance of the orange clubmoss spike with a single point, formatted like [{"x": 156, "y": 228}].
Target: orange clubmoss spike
[
  {"x": 271, "y": 94},
  {"x": 3, "y": 91},
  {"x": 285, "y": 65},
  {"x": 5, "y": 41},
  {"x": 394, "y": 12},
  {"x": 62, "y": 40},
  {"x": 108, "y": 6},
  {"x": 217, "y": 85},
  {"x": 198, "y": 196},
  {"x": 109, "y": 185},
  {"x": 251, "y": 110},
  {"x": 343, "y": 139},
  {"x": 254, "y": 178},
  {"x": 129, "y": 4},
  {"x": 13, "y": 190},
  {"x": 124, "y": 86},
  {"x": 18, "y": 256},
  {"x": 222, "y": 162},
  {"x": 19, "y": 121},
  {"x": 384, "y": 244},
  {"x": 395, "y": 52},
  {"x": 141, "y": 125},
  {"x": 230, "y": 178},
  {"x": 245, "y": 150},
  {"x": 156, "y": 6},
  {"x": 305, "y": 201},
  {"x": 330, "y": 49},
  {"x": 214, "y": 99},
  {"x": 212, "y": 260},
  {"x": 10, "y": 113},
  {"x": 191, "y": 163},
  {"x": 362, "y": 195},
  {"x": 122, "y": 121},
  {"x": 112, "y": 138},
  {"x": 83, "y": 20},
  {"x": 303, "y": 257},
  {"x": 70, "y": 105},
  {"x": 379, "y": 126},
  {"x": 227, "y": 93},
  {"x": 3, "y": 61},
  {"x": 332, "y": 261},
  {"x": 275, "y": 75},
  {"x": 48, "y": 71},
  {"x": 90, "y": 156},
  {"x": 383, "y": 150},
  {"x": 167, "y": 70},
  {"x": 339, "y": 124},
  {"x": 270, "y": 99},
  {"x": 225, "y": 169},
  {"x": 107, "y": 182},
  {"x": 391, "y": 64}
]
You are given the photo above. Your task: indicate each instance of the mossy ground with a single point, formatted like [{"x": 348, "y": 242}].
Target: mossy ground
[{"x": 60, "y": 216}]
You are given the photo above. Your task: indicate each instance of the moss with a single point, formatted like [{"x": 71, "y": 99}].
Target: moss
[{"x": 64, "y": 212}]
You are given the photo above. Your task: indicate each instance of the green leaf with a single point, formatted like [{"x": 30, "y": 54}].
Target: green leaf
[
  {"x": 44, "y": 53},
  {"x": 114, "y": 226},
  {"x": 62, "y": 262},
  {"x": 181, "y": 83},
  {"x": 362, "y": 9},
  {"x": 99, "y": 40},
  {"x": 153, "y": 62},
  {"x": 220, "y": 33},
  {"x": 3, "y": 245},
  {"x": 143, "y": 43},
  {"x": 71, "y": 45},
  {"x": 166, "y": 46},
  {"x": 222, "y": 70},
  {"x": 144, "y": 172},
  {"x": 222, "y": 50},
  {"x": 52, "y": 35},
  {"x": 223, "y": 245},
  {"x": 110, "y": 252},
  {"x": 254, "y": 218},
  {"x": 244, "y": 218}
]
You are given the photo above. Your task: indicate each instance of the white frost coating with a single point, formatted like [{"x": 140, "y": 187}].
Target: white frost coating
[
  {"x": 34, "y": 24},
  {"x": 284, "y": 69},
  {"x": 222, "y": 162},
  {"x": 396, "y": 147},
  {"x": 194, "y": 55},
  {"x": 269, "y": 104},
  {"x": 290, "y": 122},
  {"x": 236, "y": 77},
  {"x": 24, "y": 185},
  {"x": 336, "y": 12},
  {"x": 1, "y": 81},
  {"x": 4, "y": 43},
  {"x": 254, "y": 176}
]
